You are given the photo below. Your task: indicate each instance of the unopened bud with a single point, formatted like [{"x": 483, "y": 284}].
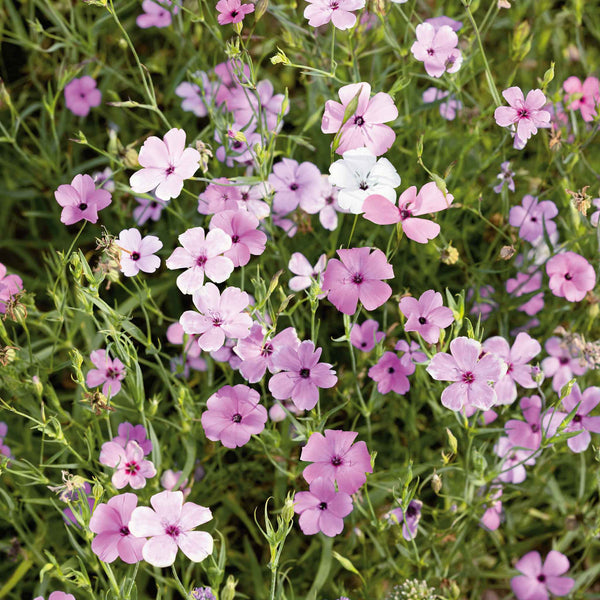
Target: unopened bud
[
  {"x": 436, "y": 483},
  {"x": 288, "y": 508},
  {"x": 228, "y": 592}
]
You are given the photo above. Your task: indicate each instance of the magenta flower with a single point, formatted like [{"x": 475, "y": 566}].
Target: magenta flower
[
  {"x": 232, "y": 11},
  {"x": 147, "y": 208},
  {"x": 322, "y": 508},
  {"x": 365, "y": 336},
  {"x": 257, "y": 351},
  {"x": 430, "y": 199},
  {"x": 582, "y": 96},
  {"x": 137, "y": 253},
  {"x": 131, "y": 467},
  {"x": 242, "y": 227},
  {"x": 492, "y": 516},
  {"x": 391, "y": 372},
  {"x": 110, "y": 522},
  {"x": 166, "y": 163},
  {"x": 233, "y": 415},
  {"x": 305, "y": 274},
  {"x": 156, "y": 14},
  {"x": 527, "y": 114},
  {"x": 532, "y": 217},
  {"x": 301, "y": 375},
  {"x": 9, "y": 286},
  {"x": 81, "y": 95},
  {"x": 366, "y": 127},
  {"x": 336, "y": 457},
  {"x": 561, "y": 365},
  {"x": 130, "y": 433},
  {"x": 539, "y": 581},
  {"x": 219, "y": 315},
  {"x": 81, "y": 200},
  {"x": 436, "y": 49},
  {"x": 339, "y": 12},
  {"x": 527, "y": 434},
  {"x": 200, "y": 255},
  {"x": 169, "y": 524},
  {"x": 292, "y": 182},
  {"x": 526, "y": 283},
  {"x": 410, "y": 521},
  {"x": 357, "y": 276},
  {"x": 471, "y": 375},
  {"x": 427, "y": 315},
  {"x": 108, "y": 373},
  {"x": 571, "y": 276},
  {"x": 524, "y": 350},
  {"x": 583, "y": 404}
]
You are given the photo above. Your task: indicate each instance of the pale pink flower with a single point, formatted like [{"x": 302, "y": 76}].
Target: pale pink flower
[
  {"x": 170, "y": 482},
  {"x": 128, "y": 433},
  {"x": 252, "y": 199},
  {"x": 242, "y": 227},
  {"x": 110, "y": 523},
  {"x": 571, "y": 276},
  {"x": 514, "y": 459},
  {"x": 583, "y": 96},
  {"x": 201, "y": 256},
  {"x": 108, "y": 373},
  {"x": 492, "y": 516},
  {"x": 339, "y": 12},
  {"x": 233, "y": 150},
  {"x": 539, "y": 581},
  {"x": 527, "y": 434},
  {"x": 304, "y": 273},
  {"x": 470, "y": 372},
  {"x": 233, "y": 415},
  {"x": 595, "y": 216},
  {"x": 357, "y": 276},
  {"x": 137, "y": 253},
  {"x": 57, "y": 596},
  {"x": 166, "y": 163},
  {"x": 195, "y": 97},
  {"x": 326, "y": 204},
  {"x": 413, "y": 351},
  {"x": 365, "y": 128},
  {"x": 436, "y": 49},
  {"x": 527, "y": 114},
  {"x": 292, "y": 182},
  {"x": 438, "y": 22},
  {"x": 81, "y": 95},
  {"x": 219, "y": 315},
  {"x": 448, "y": 109},
  {"x": 232, "y": 11},
  {"x": 410, "y": 520},
  {"x": 427, "y": 315},
  {"x": 169, "y": 524},
  {"x": 430, "y": 199},
  {"x": 561, "y": 365},
  {"x": 391, "y": 373},
  {"x": 533, "y": 217},
  {"x": 156, "y": 14},
  {"x": 81, "y": 200},
  {"x": 131, "y": 467},
  {"x": 365, "y": 336}
]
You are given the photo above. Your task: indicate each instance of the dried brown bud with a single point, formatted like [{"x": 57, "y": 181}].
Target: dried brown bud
[
  {"x": 7, "y": 355},
  {"x": 98, "y": 402},
  {"x": 581, "y": 199}
]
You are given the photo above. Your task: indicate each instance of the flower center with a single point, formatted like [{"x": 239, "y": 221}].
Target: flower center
[
  {"x": 201, "y": 261},
  {"x": 430, "y": 51},
  {"x": 245, "y": 196},
  {"x": 523, "y": 113},
  {"x": 217, "y": 321},
  {"x": 422, "y": 320},
  {"x": 363, "y": 185},
  {"x": 336, "y": 461},
  {"x": 267, "y": 350},
  {"x": 82, "y": 206},
  {"x": 329, "y": 200},
  {"x": 468, "y": 377},
  {"x": 170, "y": 170},
  {"x": 323, "y": 506},
  {"x": 235, "y": 239},
  {"x": 334, "y": 5},
  {"x": 305, "y": 373},
  {"x": 135, "y": 256},
  {"x": 391, "y": 370},
  {"x": 568, "y": 276},
  {"x": 153, "y": 204},
  {"x": 111, "y": 373},
  {"x": 577, "y": 419},
  {"x": 563, "y": 360},
  {"x": 535, "y": 428},
  {"x": 359, "y": 121},
  {"x": 132, "y": 467},
  {"x": 293, "y": 187},
  {"x": 172, "y": 530},
  {"x": 541, "y": 578},
  {"x": 234, "y": 13},
  {"x": 411, "y": 511},
  {"x": 237, "y": 418},
  {"x": 236, "y": 145},
  {"x": 357, "y": 278},
  {"x": 404, "y": 214},
  {"x": 124, "y": 531}
]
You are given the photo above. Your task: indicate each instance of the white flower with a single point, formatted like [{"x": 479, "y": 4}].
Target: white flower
[{"x": 359, "y": 174}]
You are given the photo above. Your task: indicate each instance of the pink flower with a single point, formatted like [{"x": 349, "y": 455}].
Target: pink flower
[
  {"x": 436, "y": 49},
  {"x": 169, "y": 524},
  {"x": 571, "y": 276},
  {"x": 391, "y": 372},
  {"x": 305, "y": 273},
  {"x": 247, "y": 105},
  {"x": 242, "y": 228},
  {"x": 449, "y": 109},
  {"x": 595, "y": 216},
  {"x": 131, "y": 467},
  {"x": 57, "y": 596},
  {"x": 506, "y": 178},
  {"x": 232, "y": 11},
  {"x": 252, "y": 199},
  {"x": 200, "y": 255},
  {"x": 156, "y": 14},
  {"x": 196, "y": 98},
  {"x": 358, "y": 277},
  {"x": 81, "y": 95},
  {"x": 524, "y": 350},
  {"x": 322, "y": 508},
  {"x": 219, "y": 315},
  {"x": 527, "y": 114},
  {"x": 81, "y": 200},
  {"x": 438, "y": 22},
  {"x": 326, "y": 204},
  {"x": 366, "y": 127},
  {"x": 257, "y": 351},
  {"x": 147, "y": 208},
  {"x": 413, "y": 351},
  {"x": 301, "y": 375},
  {"x": 539, "y": 580},
  {"x": 430, "y": 199},
  {"x": 233, "y": 415},
  {"x": 170, "y": 482},
  {"x": 471, "y": 374},
  {"x": 292, "y": 182},
  {"x": 583, "y": 96},
  {"x": 513, "y": 462},
  {"x": 525, "y": 283},
  {"x": 110, "y": 522},
  {"x": 527, "y": 434},
  {"x": 336, "y": 457},
  {"x": 365, "y": 336},
  {"x": 532, "y": 217},
  {"x": 128, "y": 432},
  {"x": 427, "y": 315},
  {"x": 493, "y": 514},
  {"x": 137, "y": 253},
  {"x": 339, "y": 12},
  {"x": 9, "y": 286},
  {"x": 561, "y": 365},
  {"x": 108, "y": 373},
  {"x": 166, "y": 163},
  {"x": 410, "y": 521}
]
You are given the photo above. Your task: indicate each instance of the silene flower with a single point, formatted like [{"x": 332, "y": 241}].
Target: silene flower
[
  {"x": 108, "y": 372},
  {"x": 131, "y": 467},
  {"x": 339, "y": 12},
  {"x": 437, "y": 49},
  {"x": 232, "y": 11},
  {"x": 539, "y": 580},
  {"x": 156, "y": 14},
  {"x": 81, "y": 95},
  {"x": 137, "y": 252},
  {"x": 571, "y": 276},
  {"x": 427, "y": 315},
  {"x": 81, "y": 200}
]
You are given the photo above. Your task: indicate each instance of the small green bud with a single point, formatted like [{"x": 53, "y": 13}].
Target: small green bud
[{"x": 228, "y": 592}]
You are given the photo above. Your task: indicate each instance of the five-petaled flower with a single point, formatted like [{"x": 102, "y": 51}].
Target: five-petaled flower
[{"x": 81, "y": 200}]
